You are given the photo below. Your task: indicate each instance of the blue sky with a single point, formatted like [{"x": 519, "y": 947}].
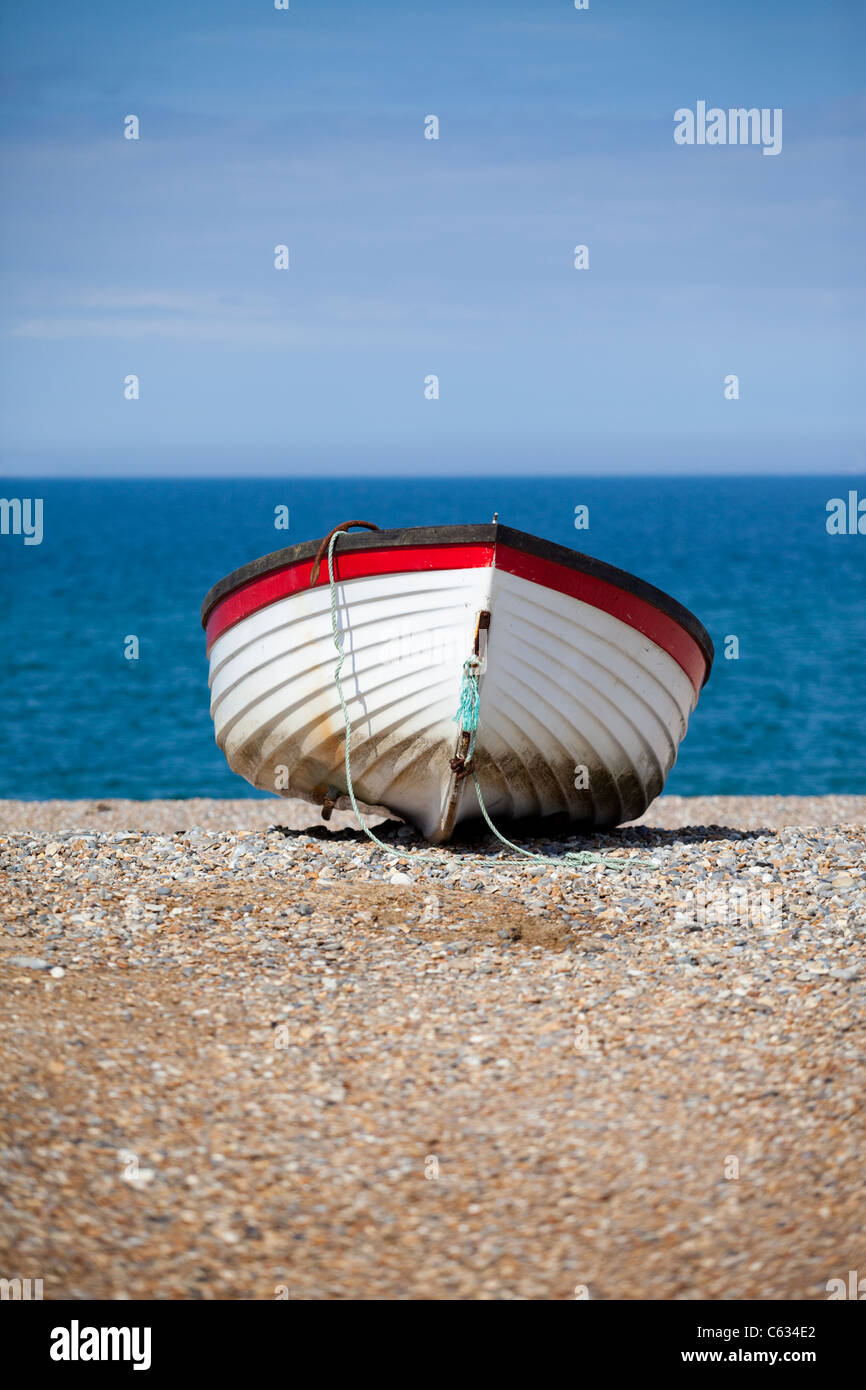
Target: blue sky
[{"x": 411, "y": 257}]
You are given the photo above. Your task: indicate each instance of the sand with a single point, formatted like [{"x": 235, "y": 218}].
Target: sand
[{"x": 247, "y": 1062}]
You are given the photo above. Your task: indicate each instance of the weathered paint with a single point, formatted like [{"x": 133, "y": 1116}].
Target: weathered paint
[{"x": 565, "y": 683}]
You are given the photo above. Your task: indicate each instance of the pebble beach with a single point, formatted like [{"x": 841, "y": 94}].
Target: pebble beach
[{"x": 250, "y": 1056}]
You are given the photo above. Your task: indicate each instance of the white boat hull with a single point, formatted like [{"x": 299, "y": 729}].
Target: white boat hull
[{"x": 581, "y": 714}]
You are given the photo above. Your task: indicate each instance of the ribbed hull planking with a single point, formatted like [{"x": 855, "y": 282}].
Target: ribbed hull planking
[{"x": 585, "y": 695}]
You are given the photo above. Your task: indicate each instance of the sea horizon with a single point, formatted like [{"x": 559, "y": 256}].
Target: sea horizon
[{"x": 362, "y": 476}]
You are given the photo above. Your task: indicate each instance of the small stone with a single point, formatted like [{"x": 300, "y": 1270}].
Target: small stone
[{"x": 141, "y": 1177}]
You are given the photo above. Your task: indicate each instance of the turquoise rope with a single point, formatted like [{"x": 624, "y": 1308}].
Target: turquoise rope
[
  {"x": 338, "y": 643},
  {"x": 467, "y": 717},
  {"x": 467, "y": 714}
]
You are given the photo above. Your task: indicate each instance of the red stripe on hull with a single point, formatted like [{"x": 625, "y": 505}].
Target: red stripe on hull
[
  {"x": 352, "y": 564},
  {"x": 644, "y": 617},
  {"x": 636, "y": 612}
]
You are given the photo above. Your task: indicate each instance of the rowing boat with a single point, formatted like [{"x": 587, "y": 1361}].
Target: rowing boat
[{"x": 586, "y": 676}]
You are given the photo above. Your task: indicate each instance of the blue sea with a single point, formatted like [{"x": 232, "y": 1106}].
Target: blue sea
[{"x": 752, "y": 557}]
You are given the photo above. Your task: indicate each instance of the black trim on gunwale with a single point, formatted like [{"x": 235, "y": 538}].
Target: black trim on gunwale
[{"x": 486, "y": 533}]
